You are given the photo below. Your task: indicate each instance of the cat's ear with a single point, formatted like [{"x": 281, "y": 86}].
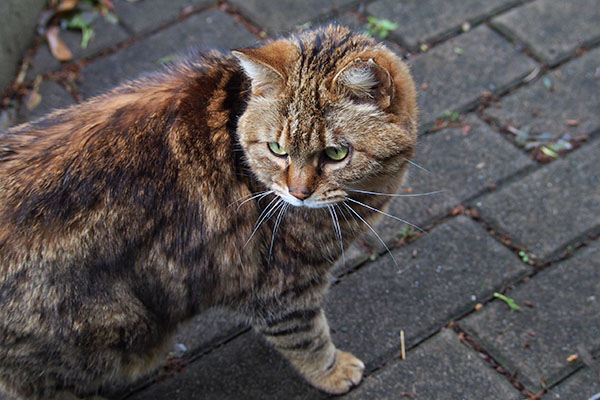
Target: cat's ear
[
  {"x": 267, "y": 66},
  {"x": 365, "y": 80}
]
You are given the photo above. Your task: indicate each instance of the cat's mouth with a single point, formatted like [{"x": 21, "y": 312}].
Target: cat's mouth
[{"x": 309, "y": 202}]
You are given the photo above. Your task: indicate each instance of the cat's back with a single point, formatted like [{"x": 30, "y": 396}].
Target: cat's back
[{"x": 117, "y": 164}]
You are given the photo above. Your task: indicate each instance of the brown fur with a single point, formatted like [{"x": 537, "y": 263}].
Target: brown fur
[{"x": 125, "y": 215}]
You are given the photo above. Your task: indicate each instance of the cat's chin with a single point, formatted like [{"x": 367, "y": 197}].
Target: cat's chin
[{"x": 308, "y": 203}]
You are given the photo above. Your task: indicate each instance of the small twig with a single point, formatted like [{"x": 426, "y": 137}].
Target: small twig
[{"x": 402, "y": 346}]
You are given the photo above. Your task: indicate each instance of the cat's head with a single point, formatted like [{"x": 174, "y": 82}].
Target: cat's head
[{"x": 330, "y": 111}]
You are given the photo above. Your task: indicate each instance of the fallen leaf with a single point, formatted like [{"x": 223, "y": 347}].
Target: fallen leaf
[
  {"x": 549, "y": 152},
  {"x": 58, "y": 48},
  {"x": 510, "y": 302},
  {"x": 466, "y": 129},
  {"x": 572, "y": 122},
  {"x": 66, "y": 5},
  {"x": 108, "y": 4},
  {"x": 572, "y": 358},
  {"x": 459, "y": 209},
  {"x": 33, "y": 100}
]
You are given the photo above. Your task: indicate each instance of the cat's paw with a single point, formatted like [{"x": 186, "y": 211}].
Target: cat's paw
[{"x": 346, "y": 372}]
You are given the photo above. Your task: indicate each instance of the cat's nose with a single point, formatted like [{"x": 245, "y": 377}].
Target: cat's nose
[{"x": 301, "y": 194}]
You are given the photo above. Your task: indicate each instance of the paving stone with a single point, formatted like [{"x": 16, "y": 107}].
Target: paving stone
[
  {"x": 286, "y": 15},
  {"x": 205, "y": 30},
  {"x": 427, "y": 21},
  {"x": 575, "y": 95},
  {"x": 455, "y": 73},
  {"x": 53, "y": 96},
  {"x": 18, "y": 19},
  {"x": 8, "y": 117},
  {"x": 206, "y": 330},
  {"x": 553, "y": 29},
  {"x": 457, "y": 265},
  {"x": 440, "y": 368},
  {"x": 149, "y": 15},
  {"x": 106, "y": 35},
  {"x": 462, "y": 165},
  {"x": 580, "y": 386},
  {"x": 350, "y": 20},
  {"x": 553, "y": 207},
  {"x": 536, "y": 342},
  {"x": 245, "y": 368}
]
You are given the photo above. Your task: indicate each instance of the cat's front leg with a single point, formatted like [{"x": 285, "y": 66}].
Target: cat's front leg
[{"x": 302, "y": 336}]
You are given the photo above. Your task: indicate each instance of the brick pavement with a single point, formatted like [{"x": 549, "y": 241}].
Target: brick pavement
[{"x": 505, "y": 222}]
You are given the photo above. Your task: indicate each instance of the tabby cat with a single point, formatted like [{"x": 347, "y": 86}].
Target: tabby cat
[{"x": 230, "y": 180}]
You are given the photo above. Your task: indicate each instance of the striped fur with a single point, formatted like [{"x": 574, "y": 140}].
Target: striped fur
[{"x": 125, "y": 215}]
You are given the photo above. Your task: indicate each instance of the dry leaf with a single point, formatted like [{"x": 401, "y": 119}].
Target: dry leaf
[
  {"x": 572, "y": 358},
  {"x": 58, "y": 48},
  {"x": 572, "y": 122},
  {"x": 108, "y": 4},
  {"x": 33, "y": 100},
  {"x": 67, "y": 5}
]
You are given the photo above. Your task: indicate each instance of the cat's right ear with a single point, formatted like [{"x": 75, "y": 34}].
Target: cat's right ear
[{"x": 267, "y": 66}]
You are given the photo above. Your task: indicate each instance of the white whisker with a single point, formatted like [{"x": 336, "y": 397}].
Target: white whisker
[
  {"x": 372, "y": 230},
  {"x": 278, "y": 220},
  {"x": 341, "y": 212},
  {"x": 386, "y": 214},
  {"x": 247, "y": 197},
  {"x": 338, "y": 229},
  {"x": 417, "y": 165},
  {"x": 397, "y": 194},
  {"x": 260, "y": 195},
  {"x": 265, "y": 215}
]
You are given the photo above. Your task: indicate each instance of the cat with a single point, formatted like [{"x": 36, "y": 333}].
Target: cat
[{"x": 229, "y": 179}]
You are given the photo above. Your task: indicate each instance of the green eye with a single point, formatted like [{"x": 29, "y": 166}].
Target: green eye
[
  {"x": 337, "y": 153},
  {"x": 276, "y": 149}
]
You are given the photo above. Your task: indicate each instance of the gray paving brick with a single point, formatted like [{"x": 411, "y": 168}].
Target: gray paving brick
[
  {"x": 18, "y": 19},
  {"x": 245, "y": 368},
  {"x": 580, "y": 386},
  {"x": 575, "y": 95},
  {"x": 53, "y": 96},
  {"x": 106, "y": 35},
  {"x": 455, "y": 81},
  {"x": 440, "y": 368},
  {"x": 286, "y": 15},
  {"x": 536, "y": 342},
  {"x": 425, "y": 21},
  {"x": 462, "y": 165},
  {"x": 148, "y": 15},
  {"x": 206, "y": 330},
  {"x": 553, "y": 29},
  {"x": 204, "y": 30},
  {"x": 551, "y": 208},
  {"x": 457, "y": 265}
]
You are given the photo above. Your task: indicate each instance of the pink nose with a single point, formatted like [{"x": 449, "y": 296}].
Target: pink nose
[{"x": 301, "y": 194}]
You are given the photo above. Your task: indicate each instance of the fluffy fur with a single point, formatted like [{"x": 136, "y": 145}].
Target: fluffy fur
[{"x": 127, "y": 214}]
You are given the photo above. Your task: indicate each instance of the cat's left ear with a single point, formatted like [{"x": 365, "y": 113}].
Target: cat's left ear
[
  {"x": 267, "y": 66},
  {"x": 365, "y": 80}
]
